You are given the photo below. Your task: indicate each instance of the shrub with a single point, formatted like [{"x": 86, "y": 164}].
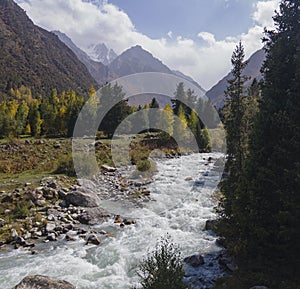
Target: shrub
[
  {"x": 163, "y": 268},
  {"x": 66, "y": 166}
]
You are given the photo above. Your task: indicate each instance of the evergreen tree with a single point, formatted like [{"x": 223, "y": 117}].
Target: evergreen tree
[
  {"x": 271, "y": 222},
  {"x": 266, "y": 210}
]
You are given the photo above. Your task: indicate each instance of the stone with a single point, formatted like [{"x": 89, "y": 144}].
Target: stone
[
  {"x": 118, "y": 220},
  {"x": 2, "y": 222},
  {"x": 211, "y": 225},
  {"x": 38, "y": 234},
  {"x": 45, "y": 282},
  {"x": 14, "y": 234},
  {"x": 69, "y": 238},
  {"x": 129, "y": 222},
  {"x": 93, "y": 239},
  {"x": 108, "y": 168},
  {"x": 227, "y": 262},
  {"x": 51, "y": 217},
  {"x": 20, "y": 241},
  {"x": 83, "y": 199},
  {"x": 50, "y": 227},
  {"x": 27, "y": 235},
  {"x": 52, "y": 184},
  {"x": 40, "y": 203},
  {"x": 56, "y": 145},
  {"x": 51, "y": 237},
  {"x": 259, "y": 287},
  {"x": 194, "y": 260}
]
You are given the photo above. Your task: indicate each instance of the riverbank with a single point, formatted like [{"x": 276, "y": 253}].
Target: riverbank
[{"x": 182, "y": 200}]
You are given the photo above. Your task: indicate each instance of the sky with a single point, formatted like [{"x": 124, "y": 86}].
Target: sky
[{"x": 196, "y": 37}]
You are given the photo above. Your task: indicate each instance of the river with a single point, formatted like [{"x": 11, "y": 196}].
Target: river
[{"x": 183, "y": 190}]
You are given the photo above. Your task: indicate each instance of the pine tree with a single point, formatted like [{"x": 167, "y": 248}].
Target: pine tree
[
  {"x": 272, "y": 219},
  {"x": 233, "y": 121}
]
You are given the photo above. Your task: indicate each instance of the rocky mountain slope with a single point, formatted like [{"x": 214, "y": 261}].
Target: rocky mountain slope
[
  {"x": 216, "y": 93},
  {"x": 34, "y": 57}
]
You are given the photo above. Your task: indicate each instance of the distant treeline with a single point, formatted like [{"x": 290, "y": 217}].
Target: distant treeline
[{"x": 55, "y": 115}]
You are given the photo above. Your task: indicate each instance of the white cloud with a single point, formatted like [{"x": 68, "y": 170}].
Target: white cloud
[
  {"x": 86, "y": 24},
  {"x": 264, "y": 10}
]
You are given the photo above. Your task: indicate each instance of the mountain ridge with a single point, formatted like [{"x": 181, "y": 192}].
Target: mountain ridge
[
  {"x": 216, "y": 93},
  {"x": 36, "y": 58}
]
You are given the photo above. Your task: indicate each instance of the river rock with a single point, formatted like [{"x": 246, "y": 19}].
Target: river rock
[
  {"x": 211, "y": 225},
  {"x": 129, "y": 222},
  {"x": 194, "y": 260},
  {"x": 14, "y": 234},
  {"x": 93, "y": 216},
  {"x": 93, "y": 239},
  {"x": 227, "y": 262},
  {"x": 83, "y": 199},
  {"x": 50, "y": 227},
  {"x": 45, "y": 282}
]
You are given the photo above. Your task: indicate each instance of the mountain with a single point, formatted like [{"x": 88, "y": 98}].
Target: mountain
[
  {"x": 137, "y": 60},
  {"x": 34, "y": 57},
  {"x": 98, "y": 70},
  {"x": 188, "y": 78},
  {"x": 216, "y": 93},
  {"x": 101, "y": 53}
]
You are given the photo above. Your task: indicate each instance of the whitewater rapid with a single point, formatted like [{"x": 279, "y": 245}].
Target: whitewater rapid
[{"x": 183, "y": 191}]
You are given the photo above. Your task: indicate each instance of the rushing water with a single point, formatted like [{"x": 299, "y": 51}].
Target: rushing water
[{"x": 183, "y": 191}]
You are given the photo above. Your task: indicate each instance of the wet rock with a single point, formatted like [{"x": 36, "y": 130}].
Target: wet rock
[
  {"x": 20, "y": 241},
  {"x": 221, "y": 241},
  {"x": 69, "y": 238},
  {"x": 211, "y": 225},
  {"x": 45, "y": 282},
  {"x": 129, "y": 222},
  {"x": 188, "y": 179},
  {"x": 194, "y": 260},
  {"x": 51, "y": 237},
  {"x": 227, "y": 262},
  {"x": 83, "y": 199},
  {"x": 108, "y": 168},
  {"x": 118, "y": 220},
  {"x": 93, "y": 239},
  {"x": 259, "y": 287}
]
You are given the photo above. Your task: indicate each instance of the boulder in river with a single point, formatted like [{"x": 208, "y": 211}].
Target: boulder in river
[
  {"x": 45, "y": 282},
  {"x": 194, "y": 260},
  {"x": 93, "y": 239},
  {"x": 83, "y": 199}
]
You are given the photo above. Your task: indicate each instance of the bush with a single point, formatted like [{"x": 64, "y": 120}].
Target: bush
[
  {"x": 66, "y": 166},
  {"x": 163, "y": 268}
]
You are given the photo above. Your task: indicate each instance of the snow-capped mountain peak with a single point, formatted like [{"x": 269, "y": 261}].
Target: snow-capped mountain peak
[{"x": 99, "y": 52}]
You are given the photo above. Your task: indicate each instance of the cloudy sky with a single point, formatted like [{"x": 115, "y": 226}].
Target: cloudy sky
[{"x": 196, "y": 37}]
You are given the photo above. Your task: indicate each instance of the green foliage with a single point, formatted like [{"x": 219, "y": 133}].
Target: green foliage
[
  {"x": 65, "y": 166},
  {"x": 262, "y": 201},
  {"x": 163, "y": 268},
  {"x": 22, "y": 209}
]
